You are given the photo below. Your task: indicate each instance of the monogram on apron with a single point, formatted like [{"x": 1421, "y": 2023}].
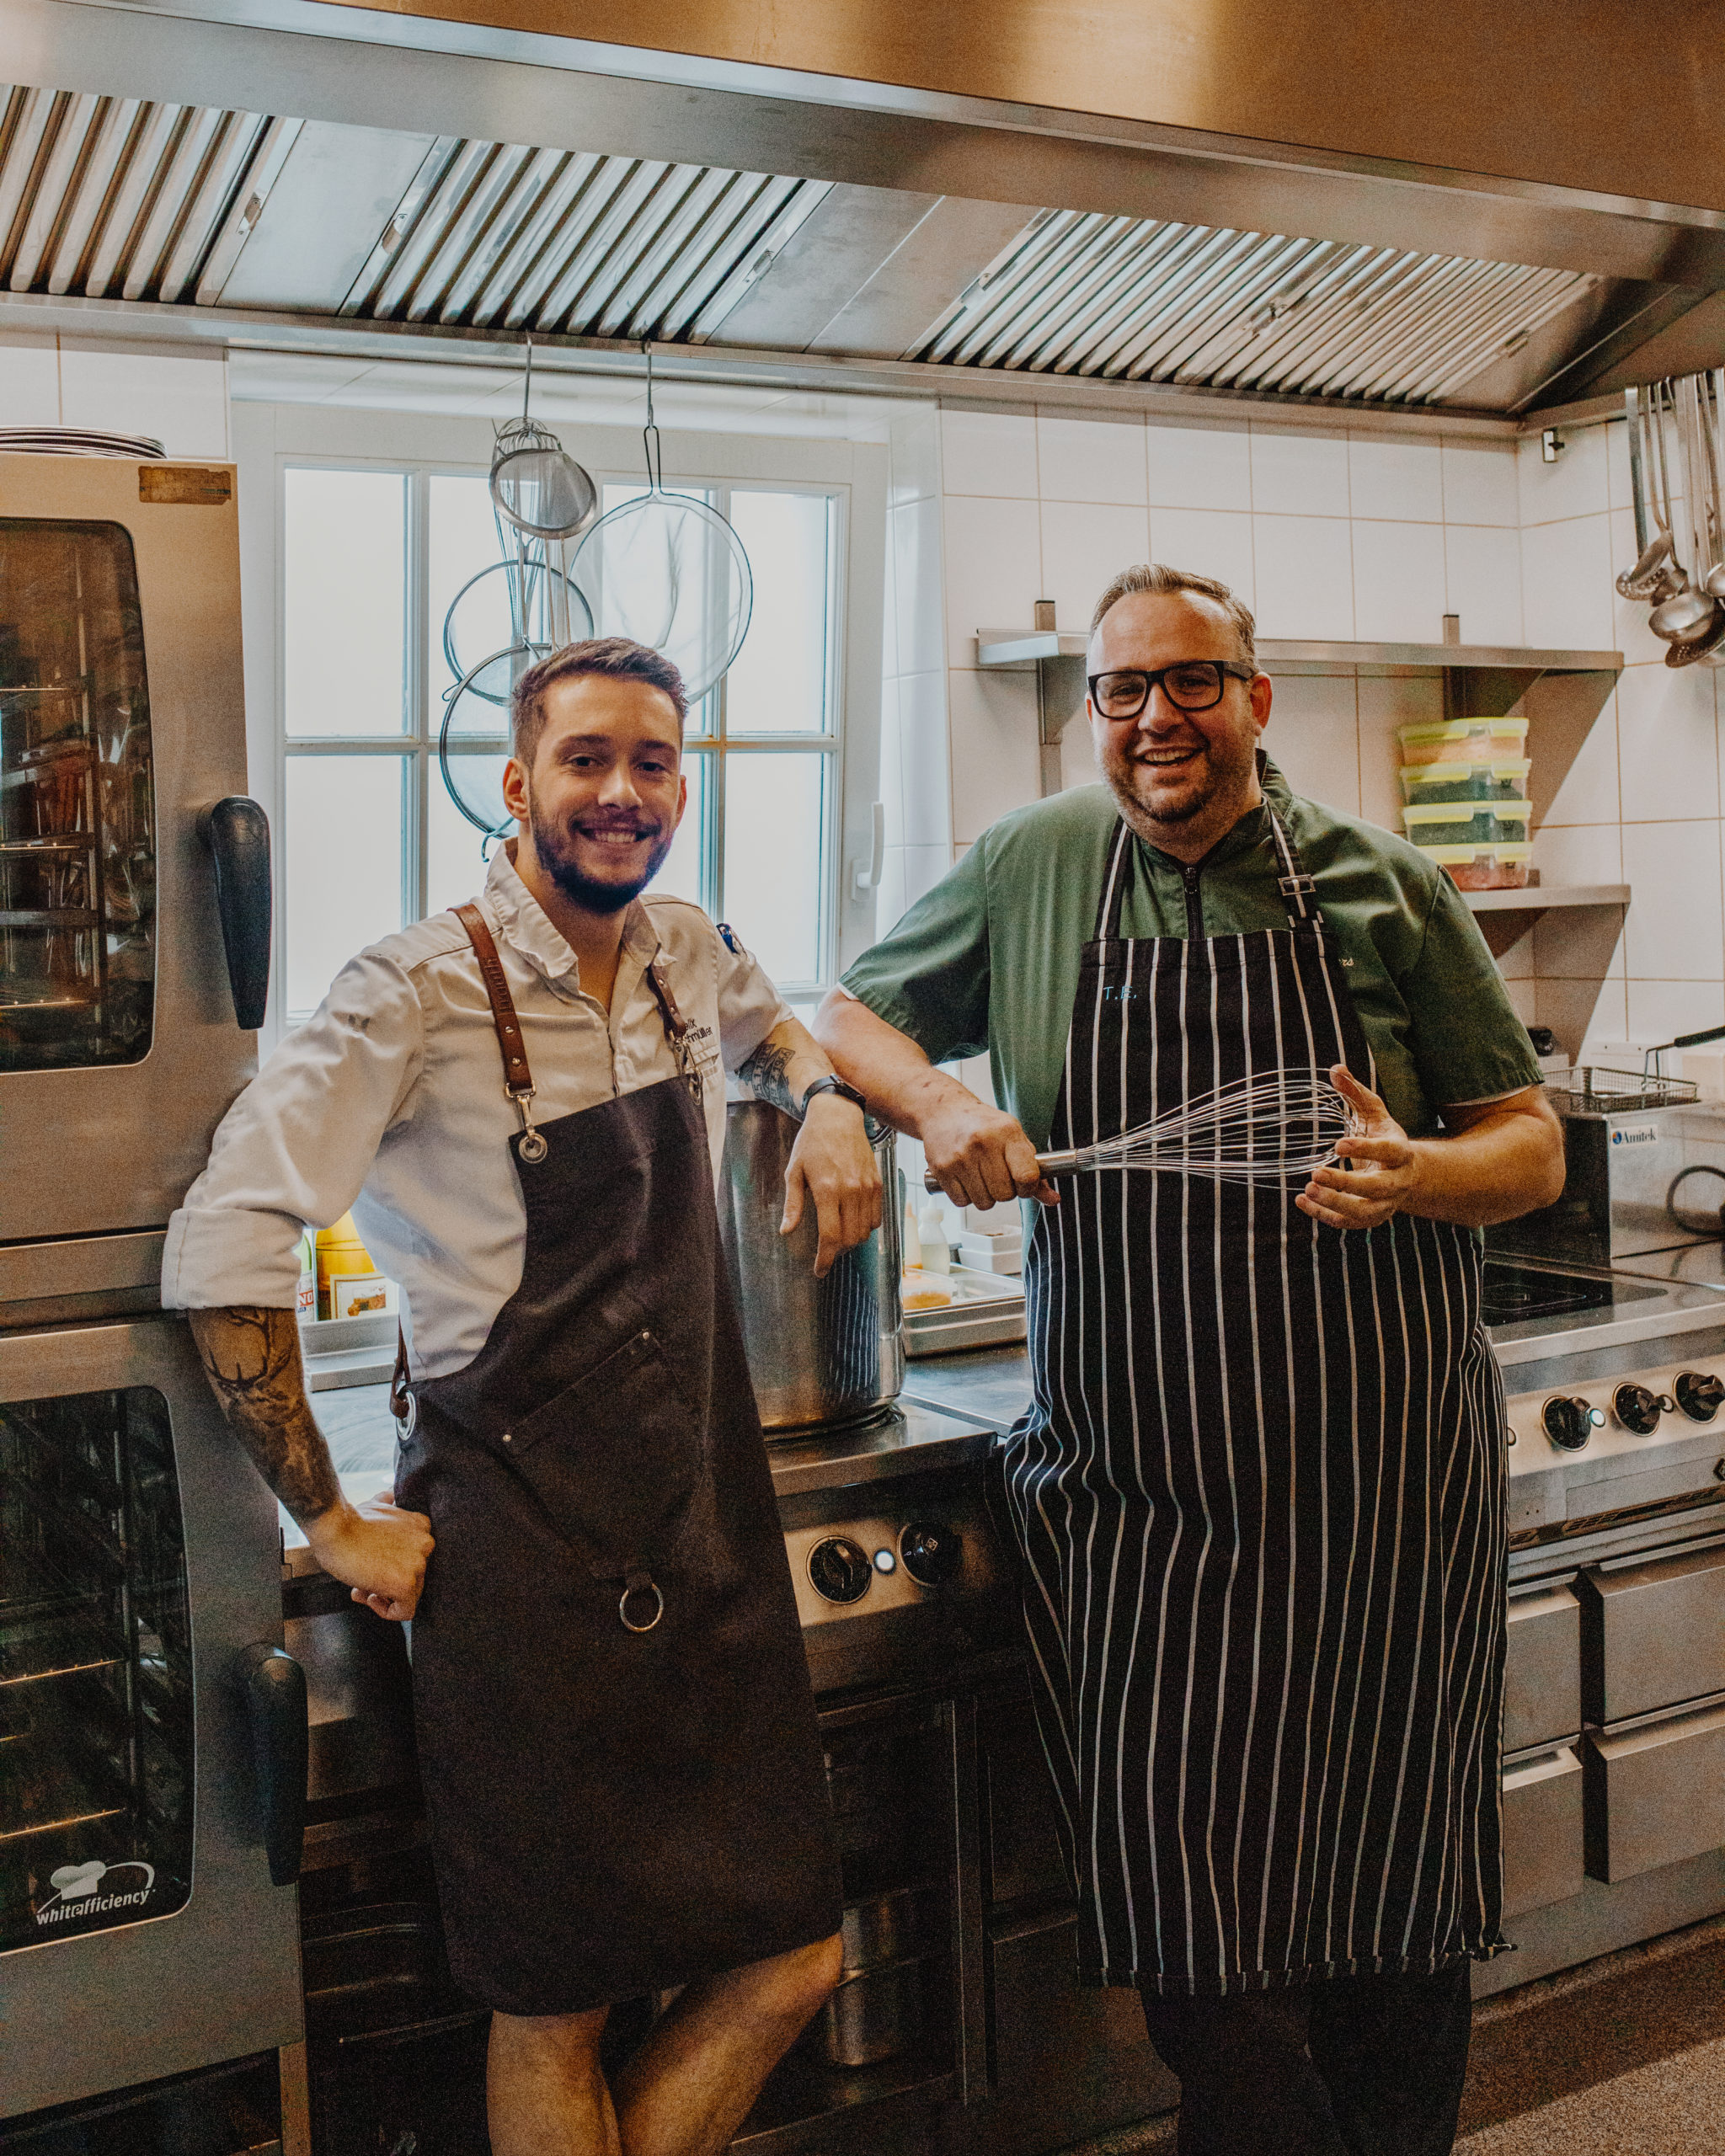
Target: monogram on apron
[
  {"x": 1261, "y": 1497},
  {"x": 617, "y": 1734}
]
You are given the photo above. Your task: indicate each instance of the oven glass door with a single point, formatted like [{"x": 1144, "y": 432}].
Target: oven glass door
[
  {"x": 97, "y": 1784},
  {"x": 78, "y": 836}
]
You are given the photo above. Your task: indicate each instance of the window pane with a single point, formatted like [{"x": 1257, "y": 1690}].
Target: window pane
[
  {"x": 454, "y": 871},
  {"x": 343, "y": 634},
  {"x": 778, "y": 682},
  {"x": 681, "y": 877},
  {"x": 773, "y": 828},
  {"x": 461, "y": 542},
  {"x": 344, "y": 865}
]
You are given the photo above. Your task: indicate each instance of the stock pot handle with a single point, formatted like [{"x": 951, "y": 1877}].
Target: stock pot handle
[
  {"x": 237, "y": 832},
  {"x": 274, "y": 1688}
]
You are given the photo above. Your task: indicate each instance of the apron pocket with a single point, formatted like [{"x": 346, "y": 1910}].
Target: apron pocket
[{"x": 613, "y": 1458}]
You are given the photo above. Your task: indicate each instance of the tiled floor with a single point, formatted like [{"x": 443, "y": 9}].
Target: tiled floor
[
  {"x": 1676, "y": 2104},
  {"x": 1630, "y": 2063},
  {"x": 1625, "y": 2058}
]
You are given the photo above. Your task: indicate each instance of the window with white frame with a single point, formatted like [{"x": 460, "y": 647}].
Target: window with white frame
[{"x": 371, "y": 557}]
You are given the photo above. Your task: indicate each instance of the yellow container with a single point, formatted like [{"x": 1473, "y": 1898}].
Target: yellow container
[{"x": 339, "y": 1251}]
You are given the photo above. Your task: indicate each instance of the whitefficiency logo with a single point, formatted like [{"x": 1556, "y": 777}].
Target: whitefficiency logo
[{"x": 79, "y": 1891}]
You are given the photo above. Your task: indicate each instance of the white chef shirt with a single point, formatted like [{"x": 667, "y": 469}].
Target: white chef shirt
[{"x": 389, "y": 1101}]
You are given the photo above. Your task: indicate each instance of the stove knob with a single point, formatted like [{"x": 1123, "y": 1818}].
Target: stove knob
[
  {"x": 1700, "y": 1394},
  {"x": 1570, "y": 1422},
  {"x": 1637, "y": 1409},
  {"x": 932, "y": 1555},
  {"x": 839, "y": 1571}
]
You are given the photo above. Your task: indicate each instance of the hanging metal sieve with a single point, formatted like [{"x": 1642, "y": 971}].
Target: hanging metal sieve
[{"x": 669, "y": 571}]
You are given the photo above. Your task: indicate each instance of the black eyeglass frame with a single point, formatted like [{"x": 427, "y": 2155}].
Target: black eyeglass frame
[{"x": 1227, "y": 670}]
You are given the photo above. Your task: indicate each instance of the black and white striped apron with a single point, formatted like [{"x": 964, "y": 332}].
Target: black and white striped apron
[{"x": 1261, "y": 1495}]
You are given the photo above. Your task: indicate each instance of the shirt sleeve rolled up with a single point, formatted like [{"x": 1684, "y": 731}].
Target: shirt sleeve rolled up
[
  {"x": 930, "y": 975},
  {"x": 296, "y": 1147}
]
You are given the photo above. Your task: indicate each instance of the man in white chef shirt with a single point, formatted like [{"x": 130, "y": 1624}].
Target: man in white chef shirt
[{"x": 527, "y": 1144}]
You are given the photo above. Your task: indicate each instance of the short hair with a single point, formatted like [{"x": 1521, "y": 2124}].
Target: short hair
[
  {"x": 620, "y": 659},
  {"x": 1155, "y": 576}
]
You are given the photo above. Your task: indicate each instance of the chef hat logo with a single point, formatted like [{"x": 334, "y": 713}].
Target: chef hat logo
[{"x": 75, "y": 1881}]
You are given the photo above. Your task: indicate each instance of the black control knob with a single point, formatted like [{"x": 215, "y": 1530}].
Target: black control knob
[
  {"x": 1571, "y": 1421},
  {"x": 931, "y": 1555},
  {"x": 839, "y": 1570},
  {"x": 1700, "y": 1394},
  {"x": 1638, "y": 1409}
]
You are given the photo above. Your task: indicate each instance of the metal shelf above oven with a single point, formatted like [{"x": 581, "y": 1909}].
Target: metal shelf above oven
[{"x": 1293, "y": 655}]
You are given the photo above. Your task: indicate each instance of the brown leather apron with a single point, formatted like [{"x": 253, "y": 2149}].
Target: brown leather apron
[{"x": 616, "y": 1730}]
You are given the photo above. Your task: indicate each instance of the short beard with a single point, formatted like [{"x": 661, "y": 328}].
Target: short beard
[
  {"x": 1132, "y": 805},
  {"x": 557, "y": 858}
]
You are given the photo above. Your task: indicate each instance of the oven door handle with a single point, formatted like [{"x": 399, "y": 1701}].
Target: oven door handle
[
  {"x": 237, "y": 832},
  {"x": 274, "y": 1688}
]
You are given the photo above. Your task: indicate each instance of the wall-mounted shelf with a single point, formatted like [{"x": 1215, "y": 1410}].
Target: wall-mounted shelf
[
  {"x": 1279, "y": 655},
  {"x": 1479, "y": 679},
  {"x": 1538, "y": 897}
]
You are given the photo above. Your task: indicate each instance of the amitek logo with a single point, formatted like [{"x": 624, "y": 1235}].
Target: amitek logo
[{"x": 79, "y": 1890}]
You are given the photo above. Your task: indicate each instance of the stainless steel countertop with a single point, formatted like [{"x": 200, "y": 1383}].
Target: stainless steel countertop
[
  {"x": 919, "y": 1436},
  {"x": 1643, "y": 1307}
]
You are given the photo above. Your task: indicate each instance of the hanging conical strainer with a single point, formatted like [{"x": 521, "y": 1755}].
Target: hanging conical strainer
[{"x": 543, "y": 498}]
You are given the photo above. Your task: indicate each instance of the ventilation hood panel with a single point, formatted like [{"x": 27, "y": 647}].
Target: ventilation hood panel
[{"x": 110, "y": 198}]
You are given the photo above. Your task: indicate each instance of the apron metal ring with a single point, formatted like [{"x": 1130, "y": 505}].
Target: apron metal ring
[
  {"x": 405, "y": 1423},
  {"x": 641, "y": 1587},
  {"x": 533, "y": 1148}
]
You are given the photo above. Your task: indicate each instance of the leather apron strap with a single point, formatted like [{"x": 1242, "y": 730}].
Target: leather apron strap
[
  {"x": 518, "y": 1081},
  {"x": 517, "y": 1084}
]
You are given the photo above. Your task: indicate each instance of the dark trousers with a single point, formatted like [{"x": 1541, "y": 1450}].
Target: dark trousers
[{"x": 1353, "y": 2066}]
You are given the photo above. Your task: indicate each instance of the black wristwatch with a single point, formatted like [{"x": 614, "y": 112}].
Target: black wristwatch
[{"x": 835, "y": 1085}]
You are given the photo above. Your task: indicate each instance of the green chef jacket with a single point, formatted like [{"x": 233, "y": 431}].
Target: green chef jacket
[{"x": 989, "y": 958}]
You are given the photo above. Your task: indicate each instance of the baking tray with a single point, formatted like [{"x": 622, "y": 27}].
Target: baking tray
[{"x": 987, "y": 1310}]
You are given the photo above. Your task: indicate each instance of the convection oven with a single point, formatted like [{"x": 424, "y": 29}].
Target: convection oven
[
  {"x": 145, "y": 1703},
  {"x": 122, "y": 736}
]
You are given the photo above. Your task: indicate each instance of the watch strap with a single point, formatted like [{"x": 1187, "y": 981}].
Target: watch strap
[{"x": 835, "y": 1085}]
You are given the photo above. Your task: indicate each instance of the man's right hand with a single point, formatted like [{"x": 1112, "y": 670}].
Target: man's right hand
[
  {"x": 375, "y": 1548},
  {"x": 980, "y": 1155}
]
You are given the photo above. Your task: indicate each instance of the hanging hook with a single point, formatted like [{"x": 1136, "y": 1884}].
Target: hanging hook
[
  {"x": 527, "y": 383},
  {"x": 649, "y": 434}
]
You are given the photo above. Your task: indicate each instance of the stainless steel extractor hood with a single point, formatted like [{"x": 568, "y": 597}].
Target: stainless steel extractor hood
[{"x": 951, "y": 239}]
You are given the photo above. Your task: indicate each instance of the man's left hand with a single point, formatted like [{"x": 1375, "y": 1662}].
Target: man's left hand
[
  {"x": 1362, "y": 1197},
  {"x": 833, "y": 1165}
]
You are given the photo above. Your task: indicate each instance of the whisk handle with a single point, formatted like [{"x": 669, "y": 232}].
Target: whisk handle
[{"x": 1052, "y": 1164}]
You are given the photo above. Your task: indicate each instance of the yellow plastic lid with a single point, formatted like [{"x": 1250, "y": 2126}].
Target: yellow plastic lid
[
  {"x": 1462, "y": 812},
  {"x": 1499, "y": 766},
  {"x": 1448, "y": 857},
  {"x": 1463, "y": 730}
]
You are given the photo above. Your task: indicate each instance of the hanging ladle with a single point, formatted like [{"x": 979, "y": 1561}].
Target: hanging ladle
[
  {"x": 1686, "y": 612},
  {"x": 1707, "y": 409},
  {"x": 1639, "y": 582}
]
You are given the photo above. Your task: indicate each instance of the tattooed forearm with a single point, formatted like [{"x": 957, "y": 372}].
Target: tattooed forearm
[
  {"x": 767, "y": 1072},
  {"x": 252, "y": 1357}
]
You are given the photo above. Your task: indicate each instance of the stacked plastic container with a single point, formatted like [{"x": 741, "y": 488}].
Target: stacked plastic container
[{"x": 1463, "y": 781}]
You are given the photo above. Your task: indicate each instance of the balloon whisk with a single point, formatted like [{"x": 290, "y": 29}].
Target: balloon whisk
[{"x": 1275, "y": 1129}]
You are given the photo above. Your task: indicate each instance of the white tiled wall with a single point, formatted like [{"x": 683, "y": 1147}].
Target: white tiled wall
[
  {"x": 1323, "y": 535},
  {"x": 1371, "y": 538},
  {"x": 177, "y": 394}
]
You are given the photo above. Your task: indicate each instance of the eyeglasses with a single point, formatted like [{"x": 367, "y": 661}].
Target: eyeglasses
[{"x": 1195, "y": 684}]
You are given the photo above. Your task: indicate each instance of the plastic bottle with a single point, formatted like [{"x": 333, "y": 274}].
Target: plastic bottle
[{"x": 932, "y": 1235}]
